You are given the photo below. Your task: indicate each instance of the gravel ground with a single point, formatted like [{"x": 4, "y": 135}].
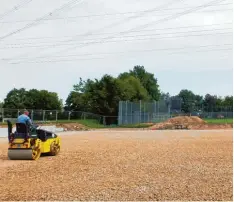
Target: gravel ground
[{"x": 139, "y": 165}]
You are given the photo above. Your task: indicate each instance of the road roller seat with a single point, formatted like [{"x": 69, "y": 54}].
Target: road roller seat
[{"x": 22, "y": 130}]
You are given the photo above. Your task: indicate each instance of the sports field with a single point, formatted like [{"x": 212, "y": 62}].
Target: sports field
[{"x": 125, "y": 165}]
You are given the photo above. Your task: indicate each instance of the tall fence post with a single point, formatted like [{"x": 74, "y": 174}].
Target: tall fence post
[
  {"x": 119, "y": 113},
  {"x": 131, "y": 113},
  {"x": 69, "y": 116},
  {"x": 126, "y": 112},
  {"x": 85, "y": 115},
  {"x": 56, "y": 116},
  {"x": 104, "y": 120},
  {"x": 43, "y": 115},
  {"x": 140, "y": 113},
  {"x": 3, "y": 115},
  {"x": 121, "y": 121},
  {"x": 169, "y": 110},
  {"x": 155, "y": 106},
  {"x": 158, "y": 114}
]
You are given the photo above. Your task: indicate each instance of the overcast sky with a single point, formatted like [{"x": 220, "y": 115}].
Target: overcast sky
[{"x": 185, "y": 43}]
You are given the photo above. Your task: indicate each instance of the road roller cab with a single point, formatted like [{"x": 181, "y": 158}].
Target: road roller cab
[{"x": 28, "y": 144}]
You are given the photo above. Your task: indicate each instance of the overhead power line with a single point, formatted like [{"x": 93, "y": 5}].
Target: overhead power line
[
  {"x": 128, "y": 19},
  {"x": 133, "y": 51},
  {"x": 15, "y": 8},
  {"x": 134, "y": 31},
  {"x": 117, "y": 14},
  {"x": 35, "y": 22},
  {"x": 31, "y": 44},
  {"x": 174, "y": 16},
  {"x": 115, "y": 54}
]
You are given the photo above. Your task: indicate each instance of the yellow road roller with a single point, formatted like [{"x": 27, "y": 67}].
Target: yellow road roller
[{"x": 29, "y": 144}]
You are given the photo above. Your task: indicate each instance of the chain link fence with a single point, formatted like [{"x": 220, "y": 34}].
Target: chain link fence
[
  {"x": 158, "y": 111},
  {"x": 147, "y": 112},
  {"x": 49, "y": 115},
  {"x": 129, "y": 113}
]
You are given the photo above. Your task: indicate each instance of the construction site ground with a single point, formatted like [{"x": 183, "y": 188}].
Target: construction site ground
[
  {"x": 125, "y": 165},
  {"x": 180, "y": 122}
]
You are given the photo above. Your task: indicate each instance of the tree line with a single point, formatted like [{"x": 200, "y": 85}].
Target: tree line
[{"x": 102, "y": 96}]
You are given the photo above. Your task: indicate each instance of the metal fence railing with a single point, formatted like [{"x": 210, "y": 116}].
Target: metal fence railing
[
  {"x": 145, "y": 112},
  {"x": 158, "y": 111},
  {"x": 49, "y": 115},
  {"x": 129, "y": 113}
]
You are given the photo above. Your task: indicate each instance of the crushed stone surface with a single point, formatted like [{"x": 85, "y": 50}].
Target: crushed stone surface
[{"x": 117, "y": 166}]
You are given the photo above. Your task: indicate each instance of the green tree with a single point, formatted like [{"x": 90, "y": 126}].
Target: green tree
[
  {"x": 32, "y": 99},
  {"x": 210, "y": 102},
  {"x": 103, "y": 96},
  {"x": 198, "y": 103},
  {"x": 213, "y": 103},
  {"x": 166, "y": 98},
  {"x": 188, "y": 100},
  {"x": 48, "y": 101},
  {"x": 80, "y": 87},
  {"x": 132, "y": 89},
  {"x": 16, "y": 99},
  {"x": 228, "y": 103},
  {"x": 148, "y": 81},
  {"x": 75, "y": 101}
]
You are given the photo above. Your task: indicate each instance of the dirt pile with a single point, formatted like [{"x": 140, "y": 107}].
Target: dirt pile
[
  {"x": 72, "y": 126},
  {"x": 180, "y": 121},
  {"x": 188, "y": 122}
]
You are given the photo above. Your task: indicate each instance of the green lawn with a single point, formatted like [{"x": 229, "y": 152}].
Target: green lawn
[{"x": 219, "y": 121}]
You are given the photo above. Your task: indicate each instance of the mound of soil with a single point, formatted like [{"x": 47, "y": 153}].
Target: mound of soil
[
  {"x": 188, "y": 122},
  {"x": 72, "y": 126},
  {"x": 184, "y": 121}
]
